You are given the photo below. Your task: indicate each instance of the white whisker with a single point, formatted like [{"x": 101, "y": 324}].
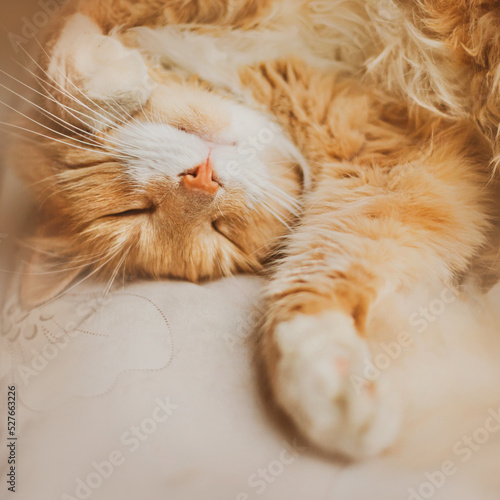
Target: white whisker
[
  {"x": 41, "y": 124},
  {"x": 49, "y": 138},
  {"x": 65, "y": 123}
]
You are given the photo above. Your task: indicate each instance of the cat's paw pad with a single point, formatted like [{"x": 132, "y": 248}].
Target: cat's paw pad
[{"x": 314, "y": 384}]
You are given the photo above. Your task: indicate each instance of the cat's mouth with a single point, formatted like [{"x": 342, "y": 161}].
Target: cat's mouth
[{"x": 210, "y": 139}]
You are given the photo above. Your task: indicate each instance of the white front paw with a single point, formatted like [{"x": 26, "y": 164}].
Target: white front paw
[{"x": 319, "y": 354}]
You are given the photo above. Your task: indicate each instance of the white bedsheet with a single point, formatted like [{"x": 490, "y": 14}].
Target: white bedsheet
[{"x": 176, "y": 361}]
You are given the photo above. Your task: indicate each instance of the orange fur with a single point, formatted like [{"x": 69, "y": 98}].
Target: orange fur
[{"x": 399, "y": 196}]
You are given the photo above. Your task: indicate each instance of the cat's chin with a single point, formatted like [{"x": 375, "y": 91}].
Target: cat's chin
[{"x": 320, "y": 361}]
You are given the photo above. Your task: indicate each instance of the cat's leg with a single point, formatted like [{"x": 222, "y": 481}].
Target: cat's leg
[
  {"x": 92, "y": 78},
  {"x": 363, "y": 236}
]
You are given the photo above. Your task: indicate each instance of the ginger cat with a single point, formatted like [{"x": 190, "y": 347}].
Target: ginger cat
[{"x": 196, "y": 139}]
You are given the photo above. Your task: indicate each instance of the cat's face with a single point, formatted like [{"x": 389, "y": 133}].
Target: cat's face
[{"x": 196, "y": 185}]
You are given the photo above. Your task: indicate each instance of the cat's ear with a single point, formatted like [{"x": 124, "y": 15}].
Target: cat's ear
[{"x": 45, "y": 277}]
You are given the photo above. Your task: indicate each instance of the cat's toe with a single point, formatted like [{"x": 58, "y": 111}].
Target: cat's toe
[{"x": 319, "y": 356}]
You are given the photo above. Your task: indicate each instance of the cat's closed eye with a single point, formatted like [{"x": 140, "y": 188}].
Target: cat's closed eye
[
  {"x": 222, "y": 229},
  {"x": 133, "y": 212}
]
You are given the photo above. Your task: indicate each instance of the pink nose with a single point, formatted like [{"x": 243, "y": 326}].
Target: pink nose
[{"x": 201, "y": 178}]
